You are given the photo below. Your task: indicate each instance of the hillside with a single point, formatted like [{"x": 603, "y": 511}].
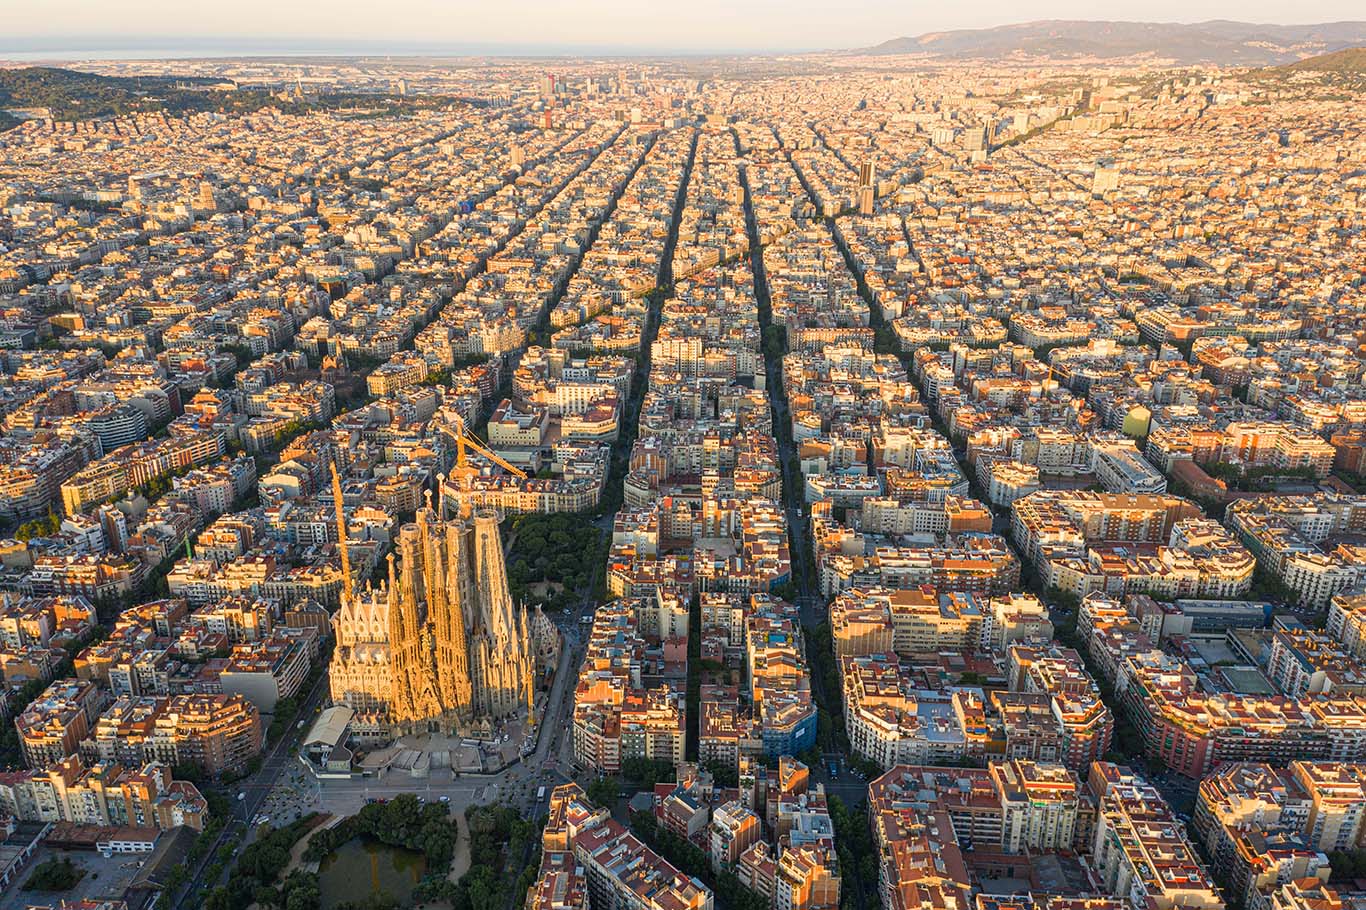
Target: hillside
[
  {"x": 74, "y": 95},
  {"x": 1220, "y": 42},
  {"x": 1349, "y": 62}
]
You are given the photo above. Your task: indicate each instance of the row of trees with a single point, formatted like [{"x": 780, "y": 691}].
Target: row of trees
[
  {"x": 828, "y": 686},
  {"x": 693, "y": 693},
  {"x": 287, "y": 709},
  {"x": 857, "y": 853}
]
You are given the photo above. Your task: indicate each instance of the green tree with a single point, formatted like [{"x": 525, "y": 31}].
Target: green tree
[
  {"x": 602, "y": 792},
  {"x": 724, "y": 774},
  {"x": 39, "y": 527},
  {"x": 54, "y": 875}
]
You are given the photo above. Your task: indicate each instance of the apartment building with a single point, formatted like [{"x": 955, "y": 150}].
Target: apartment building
[
  {"x": 890, "y": 722},
  {"x": 733, "y": 828},
  {"x": 215, "y": 733},
  {"x": 619, "y": 871},
  {"x": 1140, "y": 851},
  {"x": 103, "y": 795}
]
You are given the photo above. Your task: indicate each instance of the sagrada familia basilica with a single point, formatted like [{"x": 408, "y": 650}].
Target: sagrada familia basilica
[{"x": 440, "y": 647}]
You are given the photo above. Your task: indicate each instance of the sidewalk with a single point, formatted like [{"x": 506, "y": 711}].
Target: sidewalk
[{"x": 460, "y": 863}]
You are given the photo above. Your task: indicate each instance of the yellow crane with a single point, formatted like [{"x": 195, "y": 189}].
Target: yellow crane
[
  {"x": 462, "y": 475},
  {"x": 341, "y": 536}
]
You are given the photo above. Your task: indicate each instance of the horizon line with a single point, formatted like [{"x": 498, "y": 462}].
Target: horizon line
[{"x": 201, "y": 46}]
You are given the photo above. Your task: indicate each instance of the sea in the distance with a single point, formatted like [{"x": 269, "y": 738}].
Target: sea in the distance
[{"x": 73, "y": 49}]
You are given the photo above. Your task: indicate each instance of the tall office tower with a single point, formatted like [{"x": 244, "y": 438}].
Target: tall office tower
[
  {"x": 865, "y": 200},
  {"x": 975, "y": 139},
  {"x": 867, "y": 171},
  {"x": 548, "y": 85},
  {"x": 867, "y": 175},
  {"x": 441, "y": 646}
]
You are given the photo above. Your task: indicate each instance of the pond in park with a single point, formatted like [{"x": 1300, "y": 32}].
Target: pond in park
[{"x": 364, "y": 866}]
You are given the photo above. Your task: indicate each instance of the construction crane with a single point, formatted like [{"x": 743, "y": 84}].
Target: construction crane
[
  {"x": 341, "y": 537},
  {"x": 462, "y": 475}
]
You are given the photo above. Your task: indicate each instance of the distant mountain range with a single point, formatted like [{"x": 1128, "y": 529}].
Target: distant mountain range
[{"x": 1217, "y": 41}]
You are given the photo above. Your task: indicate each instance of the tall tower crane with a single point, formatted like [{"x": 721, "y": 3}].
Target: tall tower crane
[
  {"x": 463, "y": 474},
  {"x": 341, "y": 537}
]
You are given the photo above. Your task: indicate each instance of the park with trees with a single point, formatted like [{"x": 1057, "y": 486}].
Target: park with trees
[{"x": 554, "y": 560}]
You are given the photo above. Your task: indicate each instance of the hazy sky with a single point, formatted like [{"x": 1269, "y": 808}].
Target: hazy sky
[{"x": 684, "y": 25}]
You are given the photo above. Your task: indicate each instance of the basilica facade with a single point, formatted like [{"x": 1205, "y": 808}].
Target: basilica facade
[{"x": 440, "y": 646}]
